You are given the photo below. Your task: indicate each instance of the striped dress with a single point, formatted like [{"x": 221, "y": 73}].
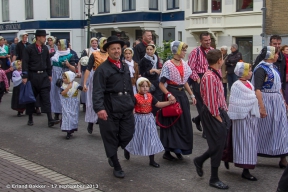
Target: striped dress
[
  {"x": 273, "y": 129},
  {"x": 145, "y": 139},
  {"x": 90, "y": 115},
  {"x": 243, "y": 110}
]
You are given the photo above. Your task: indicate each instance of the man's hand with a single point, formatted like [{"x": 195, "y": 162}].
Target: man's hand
[
  {"x": 102, "y": 115},
  {"x": 24, "y": 81},
  {"x": 218, "y": 118},
  {"x": 50, "y": 78}
]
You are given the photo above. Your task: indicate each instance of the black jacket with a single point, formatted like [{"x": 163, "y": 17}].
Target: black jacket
[
  {"x": 232, "y": 60},
  {"x": 19, "y": 50},
  {"x": 33, "y": 60},
  {"x": 108, "y": 81}
]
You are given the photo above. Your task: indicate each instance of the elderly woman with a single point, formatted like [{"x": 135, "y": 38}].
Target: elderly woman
[
  {"x": 175, "y": 72},
  {"x": 230, "y": 63},
  {"x": 62, "y": 61},
  {"x": 51, "y": 44},
  {"x": 83, "y": 66},
  {"x": 133, "y": 67},
  {"x": 95, "y": 60},
  {"x": 272, "y": 137},
  {"x": 284, "y": 50},
  {"x": 149, "y": 67}
]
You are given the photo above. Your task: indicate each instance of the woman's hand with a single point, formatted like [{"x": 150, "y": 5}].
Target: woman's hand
[
  {"x": 263, "y": 113},
  {"x": 194, "y": 101},
  {"x": 172, "y": 99},
  {"x": 158, "y": 71},
  {"x": 67, "y": 63}
]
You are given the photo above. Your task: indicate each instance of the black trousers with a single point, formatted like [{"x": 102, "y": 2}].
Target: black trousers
[
  {"x": 41, "y": 86},
  {"x": 283, "y": 184},
  {"x": 116, "y": 131},
  {"x": 216, "y": 133},
  {"x": 196, "y": 92}
]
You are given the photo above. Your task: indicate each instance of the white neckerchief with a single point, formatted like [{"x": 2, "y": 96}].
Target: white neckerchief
[
  {"x": 91, "y": 50},
  {"x": 2, "y": 49},
  {"x": 153, "y": 59},
  {"x": 72, "y": 90},
  {"x": 59, "y": 54},
  {"x": 131, "y": 67}
]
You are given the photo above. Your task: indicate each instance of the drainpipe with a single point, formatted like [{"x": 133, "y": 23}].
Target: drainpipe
[{"x": 263, "y": 23}]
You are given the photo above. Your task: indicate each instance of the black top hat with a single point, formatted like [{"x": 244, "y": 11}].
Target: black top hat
[
  {"x": 113, "y": 40},
  {"x": 40, "y": 33}
]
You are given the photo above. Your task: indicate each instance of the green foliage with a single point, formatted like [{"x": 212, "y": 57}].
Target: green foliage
[{"x": 164, "y": 52}]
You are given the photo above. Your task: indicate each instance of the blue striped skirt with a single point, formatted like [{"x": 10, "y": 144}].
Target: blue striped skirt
[
  {"x": 145, "y": 139},
  {"x": 244, "y": 134},
  {"x": 70, "y": 114},
  {"x": 90, "y": 115},
  {"x": 273, "y": 130}
]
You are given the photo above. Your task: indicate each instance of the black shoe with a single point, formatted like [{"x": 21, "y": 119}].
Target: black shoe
[
  {"x": 198, "y": 125},
  {"x": 204, "y": 136},
  {"x": 90, "y": 130},
  {"x": 250, "y": 177},
  {"x": 118, "y": 174},
  {"x": 179, "y": 156},
  {"x": 226, "y": 164},
  {"x": 154, "y": 164},
  {"x": 56, "y": 118},
  {"x": 199, "y": 169},
  {"x": 110, "y": 162},
  {"x": 68, "y": 136},
  {"x": 169, "y": 157},
  {"x": 281, "y": 165},
  {"x": 19, "y": 114},
  {"x": 30, "y": 123},
  {"x": 219, "y": 185},
  {"x": 126, "y": 154},
  {"x": 53, "y": 122}
]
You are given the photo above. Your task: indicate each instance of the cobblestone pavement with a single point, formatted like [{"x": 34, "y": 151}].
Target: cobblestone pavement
[
  {"x": 18, "y": 174},
  {"x": 82, "y": 159}
]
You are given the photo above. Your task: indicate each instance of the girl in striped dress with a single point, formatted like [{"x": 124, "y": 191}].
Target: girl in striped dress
[
  {"x": 273, "y": 136},
  {"x": 243, "y": 110},
  {"x": 70, "y": 103},
  {"x": 145, "y": 141}
]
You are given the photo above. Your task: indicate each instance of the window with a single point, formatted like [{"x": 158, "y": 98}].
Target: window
[
  {"x": 29, "y": 9},
  {"x": 172, "y": 4},
  {"x": 244, "y": 5},
  {"x": 200, "y": 6},
  {"x": 129, "y": 5},
  {"x": 216, "y": 6},
  {"x": 169, "y": 34},
  {"x": 59, "y": 8},
  {"x": 5, "y": 10},
  {"x": 153, "y": 4},
  {"x": 103, "y": 6}
]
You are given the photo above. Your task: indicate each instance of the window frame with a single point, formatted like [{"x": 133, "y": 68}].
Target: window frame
[
  {"x": 154, "y": 8},
  {"x": 57, "y": 17},
  {"x": 242, "y": 10},
  {"x": 196, "y": 12},
  {"x": 174, "y": 7},
  {"x": 3, "y": 12},
  {"x": 216, "y": 11},
  {"x": 26, "y": 13},
  {"x": 123, "y": 1},
  {"x": 105, "y": 3}
]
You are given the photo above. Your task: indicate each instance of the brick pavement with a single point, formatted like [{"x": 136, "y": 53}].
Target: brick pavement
[{"x": 18, "y": 174}]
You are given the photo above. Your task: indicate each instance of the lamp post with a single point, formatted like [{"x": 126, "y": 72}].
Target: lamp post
[{"x": 88, "y": 3}]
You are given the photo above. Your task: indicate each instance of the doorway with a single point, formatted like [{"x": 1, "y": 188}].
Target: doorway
[{"x": 245, "y": 47}]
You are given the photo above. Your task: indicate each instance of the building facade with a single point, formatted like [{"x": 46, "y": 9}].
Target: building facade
[{"x": 228, "y": 21}]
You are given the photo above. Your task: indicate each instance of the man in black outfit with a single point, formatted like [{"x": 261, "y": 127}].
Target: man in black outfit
[
  {"x": 113, "y": 101},
  {"x": 140, "y": 49},
  {"x": 283, "y": 184},
  {"x": 36, "y": 67}
]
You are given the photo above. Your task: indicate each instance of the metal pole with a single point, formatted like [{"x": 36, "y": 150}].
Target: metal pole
[
  {"x": 88, "y": 26},
  {"x": 264, "y": 24}
]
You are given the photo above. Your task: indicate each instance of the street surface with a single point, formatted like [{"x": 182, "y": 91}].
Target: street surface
[{"x": 83, "y": 159}]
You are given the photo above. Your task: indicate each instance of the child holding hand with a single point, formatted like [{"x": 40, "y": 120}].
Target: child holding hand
[
  {"x": 145, "y": 141},
  {"x": 70, "y": 103}
]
